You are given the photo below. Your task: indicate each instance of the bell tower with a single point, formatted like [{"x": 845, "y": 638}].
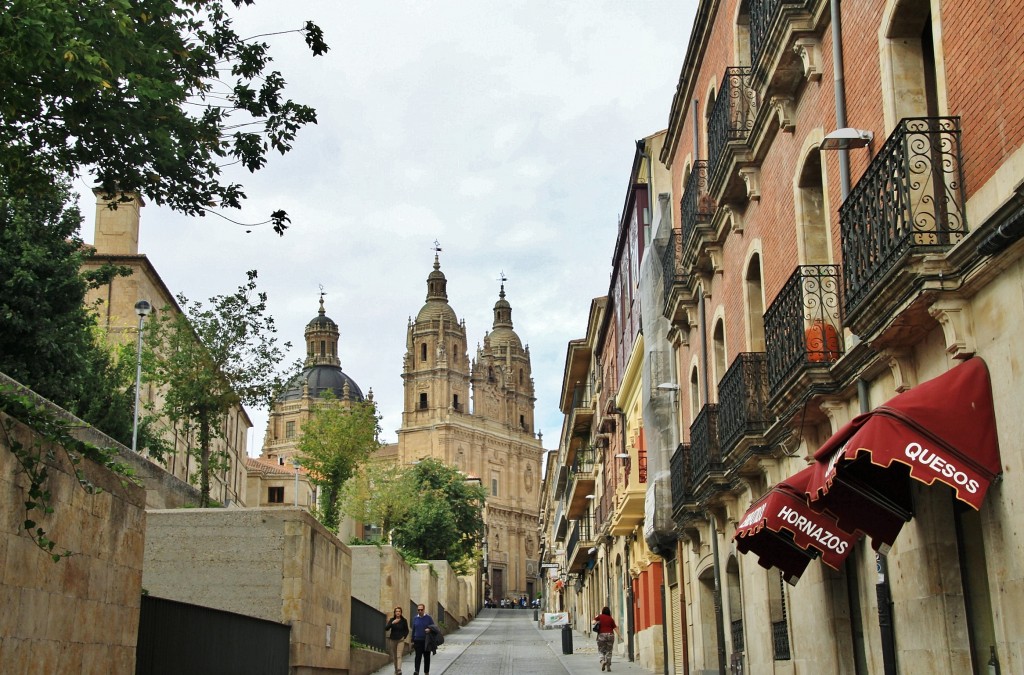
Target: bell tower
[{"x": 436, "y": 366}]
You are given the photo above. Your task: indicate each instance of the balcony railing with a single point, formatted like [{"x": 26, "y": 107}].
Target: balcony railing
[
  {"x": 583, "y": 464},
  {"x": 705, "y": 452},
  {"x": 765, "y": 16},
  {"x": 802, "y": 326},
  {"x": 580, "y": 534},
  {"x": 910, "y": 200},
  {"x": 743, "y": 400},
  {"x": 732, "y": 116},
  {"x": 679, "y": 469},
  {"x": 581, "y": 395},
  {"x": 697, "y": 206},
  {"x": 670, "y": 258}
]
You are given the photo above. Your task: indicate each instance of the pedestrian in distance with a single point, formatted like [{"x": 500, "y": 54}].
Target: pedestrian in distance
[
  {"x": 606, "y": 629},
  {"x": 397, "y": 629},
  {"x": 423, "y": 627}
]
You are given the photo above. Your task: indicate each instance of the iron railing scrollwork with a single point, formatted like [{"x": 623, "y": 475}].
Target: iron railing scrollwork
[
  {"x": 705, "y": 453},
  {"x": 696, "y": 207},
  {"x": 803, "y": 325},
  {"x": 743, "y": 400},
  {"x": 764, "y": 14},
  {"x": 732, "y": 116},
  {"x": 911, "y": 198}
]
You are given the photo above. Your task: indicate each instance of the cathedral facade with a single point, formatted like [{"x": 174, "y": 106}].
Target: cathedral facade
[{"x": 477, "y": 415}]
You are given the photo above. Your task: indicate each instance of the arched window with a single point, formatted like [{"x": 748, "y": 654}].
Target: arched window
[
  {"x": 423, "y": 352},
  {"x": 323, "y": 348},
  {"x": 694, "y": 394},
  {"x": 718, "y": 340},
  {"x": 813, "y": 218},
  {"x": 755, "y": 305}
]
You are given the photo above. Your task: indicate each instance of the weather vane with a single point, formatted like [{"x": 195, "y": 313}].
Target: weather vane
[
  {"x": 437, "y": 246},
  {"x": 502, "y": 278}
]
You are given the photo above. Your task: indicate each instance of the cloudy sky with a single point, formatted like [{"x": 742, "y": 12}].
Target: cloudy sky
[{"x": 504, "y": 130}]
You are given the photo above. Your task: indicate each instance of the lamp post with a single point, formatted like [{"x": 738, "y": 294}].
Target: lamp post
[
  {"x": 142, "y": 308},
  {"x": 296, "y": 464}
]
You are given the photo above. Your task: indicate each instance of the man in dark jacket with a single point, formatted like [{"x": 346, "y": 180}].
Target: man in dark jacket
[{"x": 423, "y": 626}]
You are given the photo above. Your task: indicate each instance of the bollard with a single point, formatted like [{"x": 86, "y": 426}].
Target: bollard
[
  {"x": 534, "y": 615},
  {"x": 567, "y": 639}
]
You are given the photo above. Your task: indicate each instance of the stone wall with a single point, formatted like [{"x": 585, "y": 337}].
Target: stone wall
[
  {"x": 79, "y": 615},
  {"x": 380, "y": 578},
  {"x": 447, "y": 591},
  {"x": 272, "y": 563},
  {"x": 423, "y": 586}
]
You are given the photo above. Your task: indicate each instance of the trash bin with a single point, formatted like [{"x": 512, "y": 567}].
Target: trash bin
[
  {"x": 567, "y": 639},
  {"x": 535, "y": 615}
]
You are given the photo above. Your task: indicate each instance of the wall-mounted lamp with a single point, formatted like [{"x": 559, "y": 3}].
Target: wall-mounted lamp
[
  {"x": 591, "y": 496},
  {"x": 846, "y": 138},
  {"x": 622, "y": 455},
  {"x": 592, "y": 550},
  {"x": 668, "y": 386}
]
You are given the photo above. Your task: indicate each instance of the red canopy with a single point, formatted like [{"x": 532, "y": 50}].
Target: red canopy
[
  {"x": 786, "y": 533},
  {"x": 943, "y": 430}
]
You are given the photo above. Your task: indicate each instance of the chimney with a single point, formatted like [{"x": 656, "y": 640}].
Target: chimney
[{"x": 117, "y": 230}]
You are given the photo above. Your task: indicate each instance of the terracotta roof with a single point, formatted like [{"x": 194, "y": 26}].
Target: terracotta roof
[{"x": 270, "y": 467}]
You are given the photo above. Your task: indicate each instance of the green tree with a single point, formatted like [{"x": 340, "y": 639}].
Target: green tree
[
  {"x": 336, "y": 439},
  {"x": 48, "y": 336},
  {"x": 380, "y": 493},
  {"x": 210, "y": 359},
  {"x": 153, "y": 96},
  {"x": 445, "y": 521}
]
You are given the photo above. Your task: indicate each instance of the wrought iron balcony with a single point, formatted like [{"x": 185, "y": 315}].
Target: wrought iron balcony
[
  {"x": 705, "y": 451},
  {"x": 743, "y": 400},
  {"x": 909, "y": 201},
  {"x": 582, "y": 479},
  {"x": 679, "y": 470},
  {"x": 766, "y": 17},
  {"x": 802, "y": 325},
  {"x": 697, "y": 206},
  {"x": 732, "y": 117},
  {"x": 581, "y": 538},
  {"x": 670, "y": 259}
]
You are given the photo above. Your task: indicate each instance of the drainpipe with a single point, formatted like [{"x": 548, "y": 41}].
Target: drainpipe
[
  {"x": 719, "y": 614},
  {"x": 839, "y": 85},
  {"x": 696, "y": 133},
  {"x": 883, "y": 593},
  {"x": 630, "y": 617}
]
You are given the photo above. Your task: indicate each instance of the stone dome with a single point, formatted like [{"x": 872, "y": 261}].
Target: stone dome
[
  {"x": 502, "y": 333},
  {"x": 320, "y": 379}
]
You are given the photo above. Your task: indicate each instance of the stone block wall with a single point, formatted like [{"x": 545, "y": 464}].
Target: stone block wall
[
  {"x": 380, "y": 578},
  {"x": 79, "y": 615},
  {"x": 423, "y": 586},
  {"x": 272, "y": 563}
]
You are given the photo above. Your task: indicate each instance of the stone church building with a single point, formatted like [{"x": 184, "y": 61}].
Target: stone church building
[{"x": 477, "y": 415}]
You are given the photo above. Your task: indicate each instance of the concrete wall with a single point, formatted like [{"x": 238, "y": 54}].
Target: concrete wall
[
  {"x": 381, "y": 577},
  {"x": 275, "y": 563},
  {"x": 424, "y": 586},
  {"x": 79, "y": 615}
]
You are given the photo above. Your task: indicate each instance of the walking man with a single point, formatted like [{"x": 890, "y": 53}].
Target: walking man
[{"x": 421, "y": 624}]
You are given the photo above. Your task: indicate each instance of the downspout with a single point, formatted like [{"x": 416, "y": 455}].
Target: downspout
[
  {"x": 630, "y": 618},
  {"x": 883, "y": 593},
  {"x": 839, "y": 86},
  {"x": 719, "y": 614}
]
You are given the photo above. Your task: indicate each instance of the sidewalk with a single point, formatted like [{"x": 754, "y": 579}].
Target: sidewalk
[{"x": 506, "y": 641}]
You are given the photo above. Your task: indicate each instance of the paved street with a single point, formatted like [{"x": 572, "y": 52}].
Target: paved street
[{"x": 503, "y": 642}]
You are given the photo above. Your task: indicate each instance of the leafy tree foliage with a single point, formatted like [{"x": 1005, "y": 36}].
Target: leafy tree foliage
[
  {"x": 336, "y": 439},
  {"x": 445, "y": 519},
  {"x": 154, "y": 96},
  {"x": 48, "y": 336},
  {"x": 381, "y": 493},
  {"x": 210, "y": 359}
]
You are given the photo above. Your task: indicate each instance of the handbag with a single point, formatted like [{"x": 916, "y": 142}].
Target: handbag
[{"x": 596, "y": 627}]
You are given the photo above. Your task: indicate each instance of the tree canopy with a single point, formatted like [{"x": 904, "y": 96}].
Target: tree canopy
[
  {"x": 445, "y": 518},
  {"x": 380, "y": 493},
  {"x": 48, "y": 336},
  {"x": 152, "y": 96},
  {"x": 336, "y": 439},
  {"x": 211, "y": 358}
]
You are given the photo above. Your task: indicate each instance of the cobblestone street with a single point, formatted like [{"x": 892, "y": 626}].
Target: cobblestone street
[{"x": 502, "y": 642}]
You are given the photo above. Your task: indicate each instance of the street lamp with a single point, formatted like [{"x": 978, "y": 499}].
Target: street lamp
[
  {"x": 142, "y": 308},
  {"x": 296, "y": 464}
]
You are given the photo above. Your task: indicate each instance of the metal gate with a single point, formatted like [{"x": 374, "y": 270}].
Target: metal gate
[{"x": 175, "y": 638}]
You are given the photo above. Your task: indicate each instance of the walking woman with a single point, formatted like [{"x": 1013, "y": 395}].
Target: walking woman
[
  {"x": 606, "y": 632},
  {"x": 397, "y": 629}
]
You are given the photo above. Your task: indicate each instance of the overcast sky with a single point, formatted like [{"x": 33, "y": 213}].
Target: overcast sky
[{"x": 504, "y": 130}]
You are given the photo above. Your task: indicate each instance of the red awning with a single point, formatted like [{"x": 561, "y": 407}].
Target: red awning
[
  {"x": 943, "y": 430},
  {"x": 786, "y": 533}
]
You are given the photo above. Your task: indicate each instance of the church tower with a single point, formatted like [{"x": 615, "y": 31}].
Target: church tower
[
  {"x": 494, "y": 442},
  {"x": 502, "y": 380},
  {"x": 436, "y": 366}
]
